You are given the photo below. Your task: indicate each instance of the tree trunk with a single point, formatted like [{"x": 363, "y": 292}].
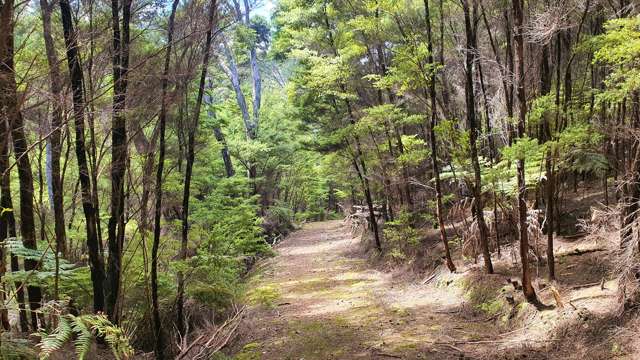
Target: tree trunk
[
  {"x": 11, "y": 109},
  {"x": 434, "y": 147},
  {"x": 527, "y": 287},
  {"x": 470, "y": 59},
  {"x": 7, "y": 218},
  {"x": 56, "y": 127},
  {"x": 217, "y": 132},
  {"x": 162, "y": 121},
  {"x": 192, "y": 131},
  {"x": 75, "y": 73},
  {"x": 545, "y": 135},
  {"x": 120, "y": 62}
]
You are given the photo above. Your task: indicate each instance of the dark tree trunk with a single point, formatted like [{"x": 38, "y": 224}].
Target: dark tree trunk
[
  {"x": 75, "y": 72},
  {"x": 510, "y": 70},
  {"x": 470, "y": 59},
  {"x": 545, "y": 135},
  {"x": 192, "y": 131},
  {"x": 434, "y": 147},
  {"x": 8, "y": 223},
  {"x": 217, "y": 132},
  {"x": 120, "y": 62},
  {"x": 162, "y": 122},
  {"x": 7, "y": 218},
  {"x": 224, "y": 152},
  {"x": 527, "y": 287},
  {"x": 631, "y": 190},
  {"x": 11, "y": 109},
  {"x": 56, "y": 127}
]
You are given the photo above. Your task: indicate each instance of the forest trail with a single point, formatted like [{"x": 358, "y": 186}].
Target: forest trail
[{"x": 318, "y": 298}]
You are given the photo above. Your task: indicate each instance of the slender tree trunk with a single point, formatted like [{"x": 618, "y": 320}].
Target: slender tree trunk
[
  {"x": 434, "y": 147},
  {"x": 192, "y": 131},
  {"x": 470, "y": 59},
  {"x": 224, "y": 152},
  {"x": 217, "y": 132},
  {"x": 162, "y": 121},
  {"x": 7, "y": 218},
  {"x": 92, "y": 157},
  {"x": 631, "y": 190},
  {"x": 545, "y": 135},
  {"x": 120, "y": 62},
  {"x": 527, "y": 287},
  {"x": 56, "y": 126},
  {"x": 7, "y": 110},
  {"x": 256, "y": 79},
  {"x": 510, "y": 71},
  {"x": 75, "y": 72},
  {"x": 12, "y": 111}
]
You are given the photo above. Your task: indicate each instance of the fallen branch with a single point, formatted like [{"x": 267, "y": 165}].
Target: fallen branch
[
  {"x": 581, "y": 286},
  {"x": 214, "y": 342},
  {"x": 389, "y": 355},
  {"x": 577, "y": 252}
]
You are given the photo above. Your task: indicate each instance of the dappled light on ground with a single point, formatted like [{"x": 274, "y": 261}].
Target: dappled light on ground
[{"x": 331, "y": 303}]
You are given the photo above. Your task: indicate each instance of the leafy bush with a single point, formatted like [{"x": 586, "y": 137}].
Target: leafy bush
[
  {"x": 277, "y": 222},
  {"x": 400, "y": 236}
]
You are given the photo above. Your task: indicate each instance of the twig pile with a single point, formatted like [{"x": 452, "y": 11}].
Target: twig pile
[{"x": 211, "y": 342}]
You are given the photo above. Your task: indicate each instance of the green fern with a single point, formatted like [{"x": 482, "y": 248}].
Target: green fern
[
  {"x": 53, "y": 342},
  {"x": 85, "y": 329},
  {"x": 82, "y": 342}
]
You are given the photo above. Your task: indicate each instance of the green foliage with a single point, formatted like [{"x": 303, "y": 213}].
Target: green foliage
[
  {"x": 83, "y": 330},
  {"x": 579, "y": 149},
  {"x": 619, "y": 47},
  {"x": 540, "y": 107},
  {"x": 401, "y": 236},
  {"x": 416, "y": 151},
  {"x": 15, "y": 348},
  {"x": 265, "y": 295},
  {"x": 74, "y": 281},
  {"x": 226, "y": 231}
]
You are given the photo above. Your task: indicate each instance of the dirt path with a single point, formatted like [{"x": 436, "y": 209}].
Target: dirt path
[{"x": 319, "y": 299}]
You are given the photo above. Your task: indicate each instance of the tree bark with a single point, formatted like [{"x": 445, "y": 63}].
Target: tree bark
[
  {"x": 116, "y": 228},
  {"x": 470, "y": 59},
  {"x": 192, "y": 131},
  {"x": 8, "y": 221},
  {"x": 217, "y": 132},
  {"x": 527, "y": 287},
  {"x": 96, "y": 262},
  {"x": 12, "y": 111},
  {"x": 56, "y": 129},
  {"x": 162, "y": 120},
  {"x": 434, "y": 147}
]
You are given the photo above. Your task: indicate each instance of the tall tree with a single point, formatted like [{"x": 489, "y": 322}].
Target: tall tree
[
  {"x": 120, "y": 63},
  {"x": 76, "y": 76},
  {"x": 12, "y": 109},
  {"x": 470, "y": 21},
  {"x": 162, "y": 123},
  {"x": 56, "y": 84},
  {"x": 192, "y": 131},
  {"x": 518, "y": 17},
  {"x": 432, "y": 140}
]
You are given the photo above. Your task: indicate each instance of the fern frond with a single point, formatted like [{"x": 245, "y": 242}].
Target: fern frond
[
  {"x": 50, "y": 343},
  {"x": 83, "y": 339}
]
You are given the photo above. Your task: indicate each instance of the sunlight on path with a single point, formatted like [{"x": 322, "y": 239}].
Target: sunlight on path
[
  {"x": 330, "y": 305},
  {"x": 319, "y": 298}
]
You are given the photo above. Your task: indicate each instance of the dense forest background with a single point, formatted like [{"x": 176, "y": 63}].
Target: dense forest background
[{"x": 151, "y": 152}]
